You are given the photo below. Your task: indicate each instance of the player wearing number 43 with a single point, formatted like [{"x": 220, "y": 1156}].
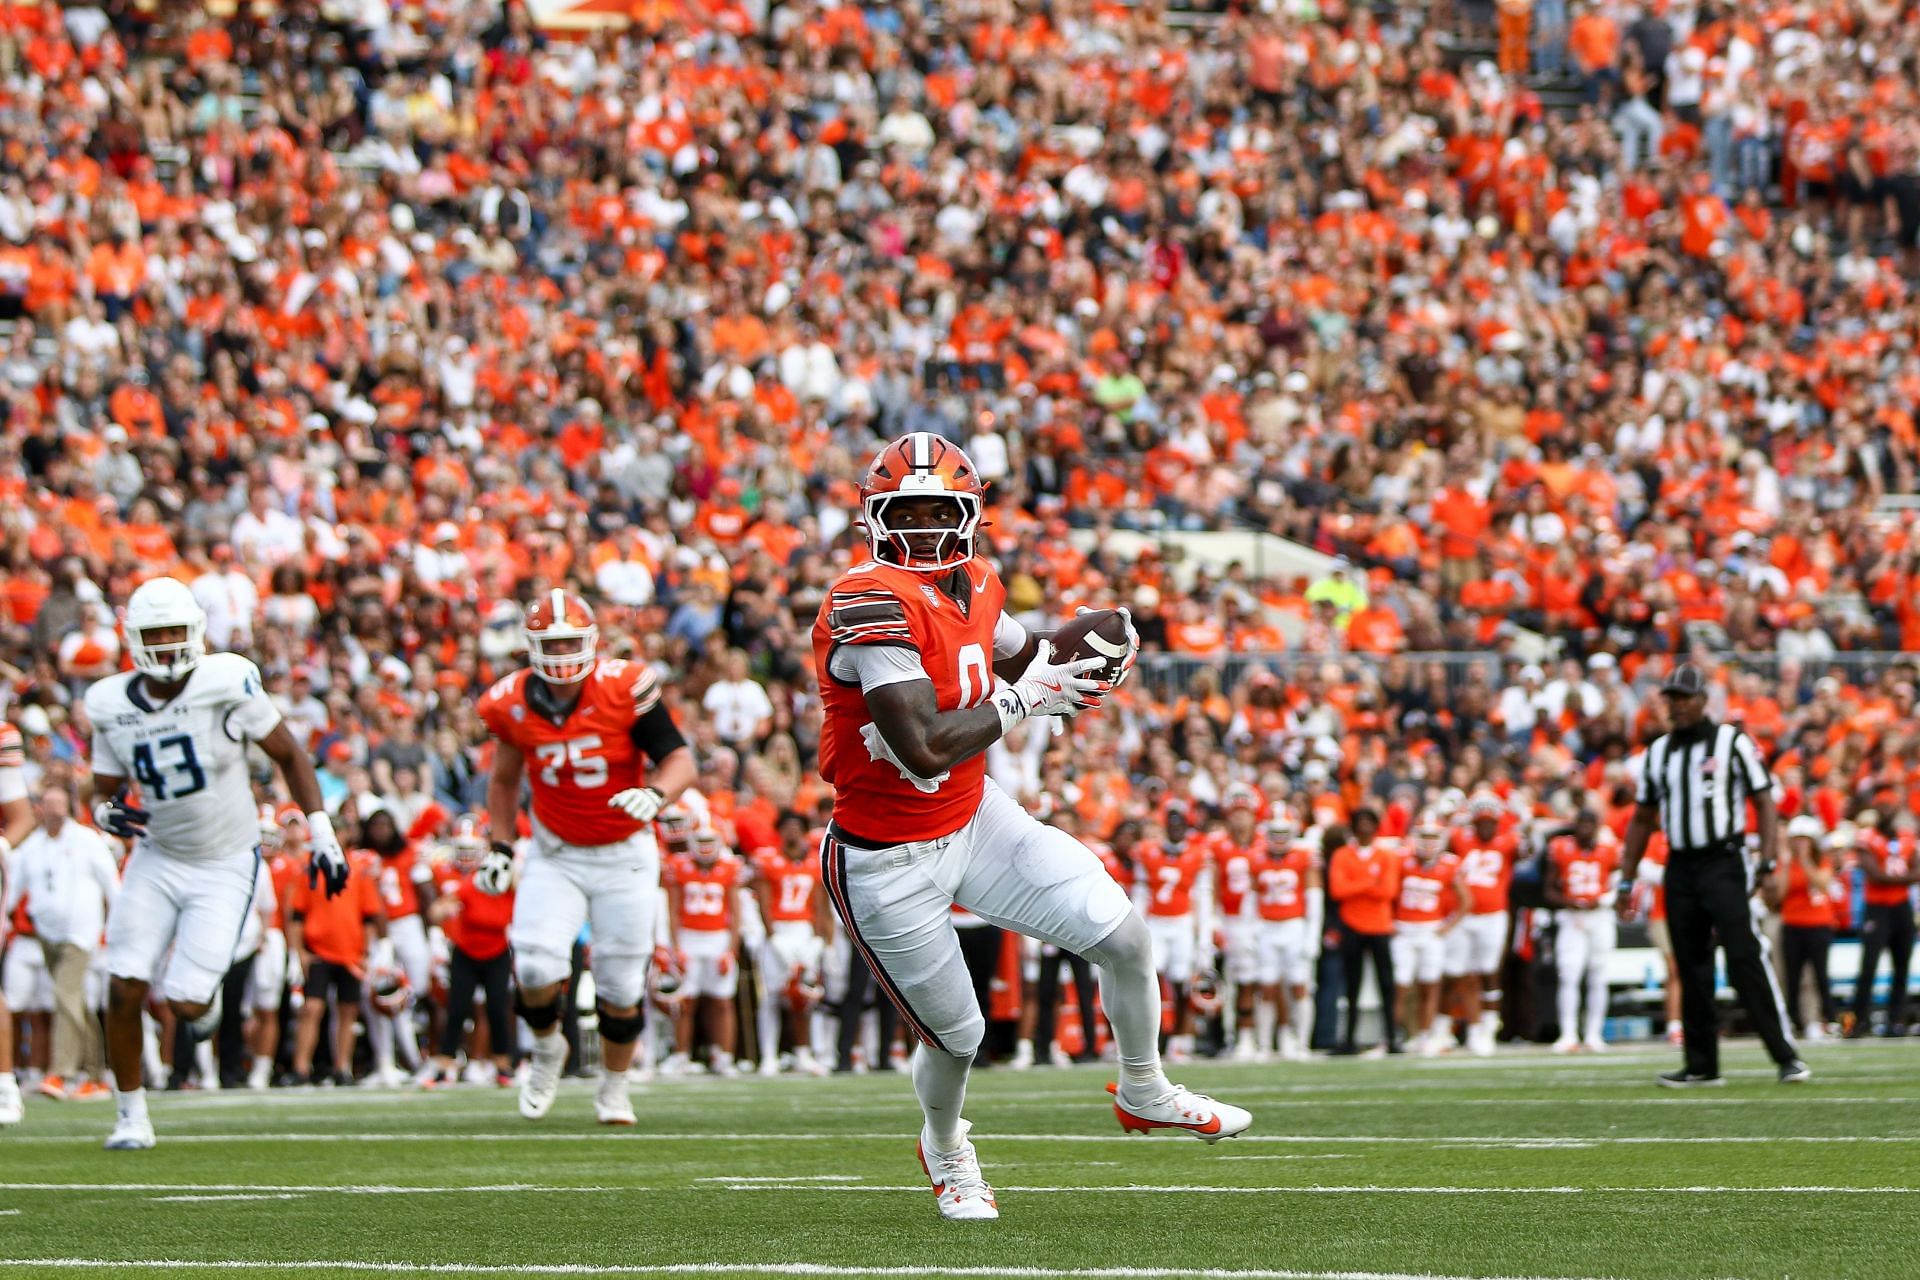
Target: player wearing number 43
[
  {"x": 176, "y": 728},
  {"x": 908, "y": 647},
  {"x": 577, "y": 726}
]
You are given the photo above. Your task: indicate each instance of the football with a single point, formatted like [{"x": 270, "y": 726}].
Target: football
[{"x": 1099, "y": 634}]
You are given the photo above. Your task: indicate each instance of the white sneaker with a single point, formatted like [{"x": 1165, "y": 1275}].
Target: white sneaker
[
  {"x": 1429, "y": 1045},
  {"x": 1245, "y": 1049},
  {"x": 807, "y": 1065},
  {"x": 676, "y": 1065},
  {"x": 1566, "y": 1044},
  {"x": 260, "y": 1075},
  {"x": 1181, "y": 1108},
  {"x": 543, "y": 1081},
  {"x": 1022, "y": 1059},
  {"x": 957, "y": 1181},
  {"x": 11, "y": 1107},
  {"x": 1480, "y": 1041},
  {"x": 1057, "y": 1056},
  {"x": 1814, "y": 1032},
  {"x": 723, "y": 1066},
  {"x": 131, "y": 1133},
  {"x": 769, "y": 1067},
  {"x": 1594, "y": 1044},
  {"x": 611, "y": 1105},
  {"x": 482, "y": 1072}
]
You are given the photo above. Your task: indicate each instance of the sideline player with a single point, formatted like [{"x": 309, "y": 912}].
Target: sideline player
[
  {"x": 1236, "y": 847},
  {"x": 17, "y": 818},
  {"x": 907, "y": 647},
  {"x": 1291, "y": 902},
  {"x": 179, "y": 725},
  {"x": 1582, "y": 872},
  {"x": 582, "y": 723},
  {"x": 787, "y": 879},
  {"x": 703, "y": 887},
  {"x": 1174, "y": 879},
  {"x": 1478, "y": 945}
]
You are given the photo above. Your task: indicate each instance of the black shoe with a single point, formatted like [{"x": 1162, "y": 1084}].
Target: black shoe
[
  {"x": 342, "y": 1079},
  {"x": 1345, "y": 1049},
  {"x": 1795, "y": 1072},
  {"x": 1684, "y": 1079}
]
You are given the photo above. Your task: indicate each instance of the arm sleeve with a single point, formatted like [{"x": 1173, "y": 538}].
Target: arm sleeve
[
  {"x": 1009, "y": 637},
  {"x": 655, "y": 733},
  {"x": 872, "y": 666},
  {"x": 254, "y": 716}
]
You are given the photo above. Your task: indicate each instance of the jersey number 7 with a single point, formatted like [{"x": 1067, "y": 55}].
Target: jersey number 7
[{"x": 153, "y": 782}]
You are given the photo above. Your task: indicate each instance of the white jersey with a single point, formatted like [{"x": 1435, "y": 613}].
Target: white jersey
[{"x": 188, "y": 757}]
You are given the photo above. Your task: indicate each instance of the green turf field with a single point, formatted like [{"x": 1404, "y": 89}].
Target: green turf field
[{"x": 1528, "y": 1165}]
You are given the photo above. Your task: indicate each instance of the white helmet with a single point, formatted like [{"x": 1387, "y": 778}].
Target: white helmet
[{"x": 164, "y": 604}]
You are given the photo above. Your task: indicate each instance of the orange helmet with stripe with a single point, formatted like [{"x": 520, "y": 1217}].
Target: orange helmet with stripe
[
  {"x": 905, "y": 530},
  {"x": 561, "y": 637}
]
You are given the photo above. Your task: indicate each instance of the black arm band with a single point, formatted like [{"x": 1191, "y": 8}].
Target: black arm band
[{"x": 656, "y": 734}]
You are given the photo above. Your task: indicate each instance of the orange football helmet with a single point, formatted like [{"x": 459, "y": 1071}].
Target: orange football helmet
[
  {"x": 561, "y": 637},
  {"x": 922, "y": 465}
]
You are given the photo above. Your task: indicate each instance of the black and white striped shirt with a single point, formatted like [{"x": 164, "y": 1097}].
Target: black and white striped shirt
[{"x": 1701, "y": 781}]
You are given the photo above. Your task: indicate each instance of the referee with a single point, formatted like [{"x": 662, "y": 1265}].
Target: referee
[{"x": 1695, "y": 784}]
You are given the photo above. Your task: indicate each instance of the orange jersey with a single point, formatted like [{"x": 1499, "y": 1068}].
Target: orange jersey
[
  {"x": 1233, "y": 871},
  {"x": 1117, "y": 867},
  {"x": 1895, "y": 860},
  {"x": 1803, "y": 907},
  {"x": 791, "y": 883},
  {"x": 706, "y": 891},
  {"x": 479, "y": 927},
  {"x": 336, "y": 928},
  {"x": 582, "y": 762},
  {"x": 1170, "y": 877},
  {"x": 1657, "y": 855},
  {"x": 1426, "y": 888},
  {"x": 880, "y": 604},
  {"x": 1281, "y": 879},
  {"x": 1584, "y": 874},
  {"x": 286, "y": 870},
  {"x": 1489, "y": 867},
  {"x": 398, "y": 886}
]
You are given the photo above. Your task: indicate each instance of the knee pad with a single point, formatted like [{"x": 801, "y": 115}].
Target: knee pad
[
  {"x": 620, "y": 981},
  {"x": 540, "y": 968},
  {"x": 964, "y": 1041},
  {"x": 1129, "y": 945},
  {"x": 540, "y": 1017},
  {"x": 618, "y": 1028}
]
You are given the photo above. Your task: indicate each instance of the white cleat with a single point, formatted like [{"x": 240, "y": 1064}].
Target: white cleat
[
  {"x": 724, "y": 1068},
  {"x": 543, "y": 1079},
  {"x": 1022, "y": 1059},
  {"x": 769, "y": 1068},
  {"x": 957, "y": 1181},
  {"x": 1480, "y": 1042},
  {"x": 1181, "y": 1108},
  {"x": 132, "y": 1133},
  {"x": 611, "y": 1105},
  {"x": 1594, "y": 1044},
  {"x": 1566, "y": 1044},
  {"x": 1431, "y": 1046},
  {"x": 804, "y": 1063},
  {"x": 1245, "y": 1049},
  {"x": 12, "y": 1109}
]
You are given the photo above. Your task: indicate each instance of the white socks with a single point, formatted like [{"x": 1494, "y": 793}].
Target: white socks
[
  {"x": 130, "y": 1105},
  {"x": 940, "y": 1082},
  {"x": 1130, "y": 994}
]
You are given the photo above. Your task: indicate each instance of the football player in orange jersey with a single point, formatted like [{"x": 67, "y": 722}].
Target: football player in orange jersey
[
  {"x": 1233, "y": 850},
  {"x": 702, "y": 885},
  {"x": 907, "y": 647},
  {"x": 1583, "y": 871},
  {"x": 787, "y": 880},
  {"x": 283, "y": 850},
  {"x": 1290, "y": 904},
  {"x": 1433, "y": 900},
  {"x": 406, "y": 891},
  {"x": 577, "y": 726},
  {"x": 1172, "y": 892},
  {"x": 1478, "y": 944}
]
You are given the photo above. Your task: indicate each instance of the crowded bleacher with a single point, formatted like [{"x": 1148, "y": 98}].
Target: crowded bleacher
[{"x": 1427, "y": 380}]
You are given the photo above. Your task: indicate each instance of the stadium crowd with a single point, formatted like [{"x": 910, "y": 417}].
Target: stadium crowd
[{"x": 373, "y": 322}]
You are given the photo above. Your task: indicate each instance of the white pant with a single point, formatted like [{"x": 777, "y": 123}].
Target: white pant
[
  {"x": 269, "y": 980},
  {"x": 411, "y": 953},
  {"x": 198, "y": 908},
  {"x": 1419, "y": 952},
  {"x": 1173, "y": 946},
  {"x": 1477, "y": 945},
  {"x": 1005, "y": 867},
  {"x": 614, "y": 887},
  {"x": 792, "y": 945},
  {"x": 1283, "y": 954},
  {"x": 713, "y": 971},
  {"x": 1243, "y": 951},
  {"x": 1586, "y": 940},
  {"x": 26, "y": 980}
]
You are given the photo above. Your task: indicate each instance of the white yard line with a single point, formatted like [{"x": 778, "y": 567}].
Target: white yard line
[
  {"x": 237, "y": 1195},
  {"x": 783, "y": 1268},
  {"x": 315, "y": 1189},
  {"x": 1343, "y": 1139},
  {"x": 1369, "y": 1190}
]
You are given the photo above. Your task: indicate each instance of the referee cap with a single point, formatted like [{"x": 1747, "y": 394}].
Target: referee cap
[{"x": 1685, "y": 680}]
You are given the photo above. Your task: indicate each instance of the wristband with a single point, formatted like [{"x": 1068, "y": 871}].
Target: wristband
[{"x": 1011, "y": 708}]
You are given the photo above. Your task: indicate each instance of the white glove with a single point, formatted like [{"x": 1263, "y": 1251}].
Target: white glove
[
  {"x": 639, "y": 803},
  {"x": 327, "y": 861},
  {"x": 1133, "y": 642},
  {"x": 1050, "y": 688}
]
